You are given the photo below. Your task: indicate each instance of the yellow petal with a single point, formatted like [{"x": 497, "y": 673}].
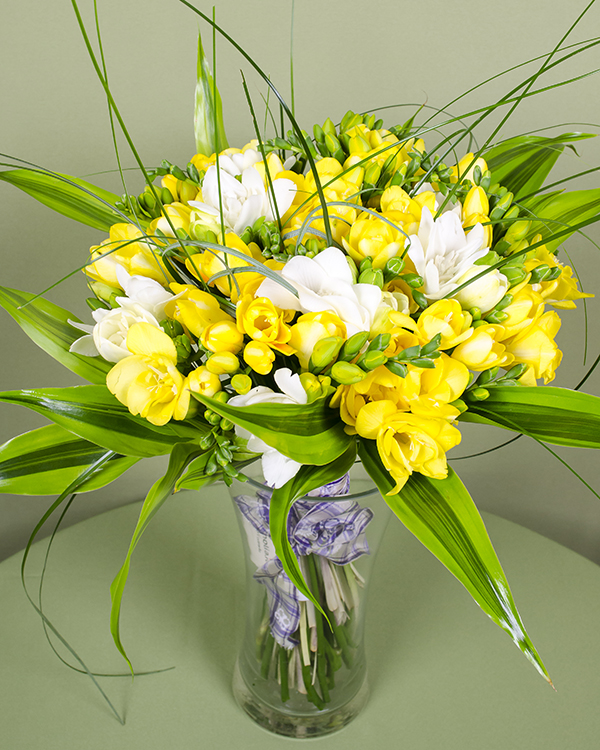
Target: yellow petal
[{"x": 150, "y": 341}]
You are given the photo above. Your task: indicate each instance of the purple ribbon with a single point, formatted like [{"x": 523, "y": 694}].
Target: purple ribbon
[{"x": 334, "y": 529}]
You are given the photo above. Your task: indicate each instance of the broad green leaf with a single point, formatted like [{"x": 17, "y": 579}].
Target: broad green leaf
[
  {"x": 75, "y": 198},
  {"x": 308, "y": 433},
  {"x": 307, "y": 479},
  {"x": 180, "y": 457},
  {"x": 46, "y": 460},
  {"x": 93, "y": 413},
  {"x": 556, "y": 211},
  {"x": 554, "y": 415},
  {"x": 47, "y": 325},
  {"x": 208, "y": 111},
  {"x": 522, "y": 164},
  {"x": 442, "y": 515}
]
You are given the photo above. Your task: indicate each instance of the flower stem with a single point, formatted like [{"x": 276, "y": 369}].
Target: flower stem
[
  {"x": 266, "y": 657},
  {"x": 283, "y": 671}
]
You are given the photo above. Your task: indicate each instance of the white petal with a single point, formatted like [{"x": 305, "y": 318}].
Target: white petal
[
  {"x": 81, "y": 326},
  {"x": 250, "y": 212},
  {"x": 278, "y": 469},
  {"x": 290, "y": 384},
  {"x": 334, "y": 263},
  {"x": 279, "y": 295},
  {"x": 85, "y": 345},
  {"x": 284, "y": 190}
]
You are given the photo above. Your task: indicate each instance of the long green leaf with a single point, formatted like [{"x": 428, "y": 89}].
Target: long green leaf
[
  {"x": 554, "y": 212},
  {"x": 180, "y": 457},
  {"x": 208, "y": 110},
  {"x": 309, "y": 433},
  {"x": 46, "y": 460},
  {"x": 442, "y": 515},
  {"x": 307, "y": 479},
  {"x": 554, "y": 415},
  {"x": 522, "y": 164},
  {"x": 70, "y": 196},
  {"x": 93, "y": 413},
  {"x": 47, "y": 325}
]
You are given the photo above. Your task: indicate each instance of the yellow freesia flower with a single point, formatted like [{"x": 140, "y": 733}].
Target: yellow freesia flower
[
  {"x": 463, "y": 170},
  {"x": 181, "y": 190},
  {"x": 148, "y": 383},
  {"x": 223, "y": 336},
  {"x": 406, "y": 442},
  {"x": 137, "y": 258},
  {"x": 535, "y": 346},
  {"x": 262, "y": 321},
  {"x": 179, "y": 218},
  {"x": 446, "y": 317},
  {"x": 210, "y": 262},
  {"x": 223, "y": 363},
  {"x": 483, "y": 349},
  {"x": 439, "y": 387},
  {"x": 203, "y": 381},
  {"x": 309, "y": 329},
  {"x": 373, "y": 238},
  {"x": 259, "y": 357},
  {"x": 526, "y": 306},
  {"x": 194, "y": 309},
  {"x": 562, "y": 292}
]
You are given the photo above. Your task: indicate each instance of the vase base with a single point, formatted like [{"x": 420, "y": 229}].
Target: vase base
[{"x": 299, "y": 725}]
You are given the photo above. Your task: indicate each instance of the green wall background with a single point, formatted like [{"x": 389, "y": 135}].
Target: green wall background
[{"x": 347, "y": 54}]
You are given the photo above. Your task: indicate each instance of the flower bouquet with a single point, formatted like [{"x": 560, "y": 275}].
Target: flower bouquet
[{"x": 302, "y": 303}]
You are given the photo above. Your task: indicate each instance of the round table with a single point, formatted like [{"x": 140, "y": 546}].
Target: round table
[{"x": 442, "y": 674}]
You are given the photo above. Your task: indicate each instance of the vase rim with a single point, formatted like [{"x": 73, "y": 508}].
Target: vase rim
[{"x": 333, "y": 498}]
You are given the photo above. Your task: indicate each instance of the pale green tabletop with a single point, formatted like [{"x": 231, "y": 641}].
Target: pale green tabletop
[{"x": 442, "y": 675}]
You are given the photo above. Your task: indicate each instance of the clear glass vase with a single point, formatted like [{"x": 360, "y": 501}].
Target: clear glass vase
[{"x": 296, "y": 674}]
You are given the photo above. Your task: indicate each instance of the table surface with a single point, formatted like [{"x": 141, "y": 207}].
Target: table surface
[{"x": 442, "y": 675}]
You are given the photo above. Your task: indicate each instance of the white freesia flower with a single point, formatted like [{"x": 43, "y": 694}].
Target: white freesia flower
[
  {"x": 145, "y": 292},
  {"x": 485, "y": 293},
  {"x": 277, "y": 468},
  {"x": 442, "y": 253},
  {"x": 236, "y": 163},
  {"x": 109, "y": 336},
  {"x": 325, "y": 283},
  {"x": 243, "y": 201}
]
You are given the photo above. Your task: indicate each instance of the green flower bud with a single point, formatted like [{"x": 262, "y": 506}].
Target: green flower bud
[
  {"x": 212, "y": 417},
  {"x": 241, "y": 384},
  {"x": 394, "y": 268},
  {"x": 488, "y": 375},
  {"x": 516, "y": 372},
  {"x": 412, "y": 351},
  {"x": 207, "y": 441},
  {"x": 554, "y": 274},
  {"x": 397, "y": 368},
  {"x": 432, "y": 345},
  {"x": 221, "y": 396},
  {"x": 420, "y": 299},
  {"x": 183, "y": 347},
  {"x": 496, "y": 316},
  {"x": 325, "y": 352},
  {"x": 424, "y": 362},
  {"x": 372, "y": 173},
  {"x": 226, "y": 426},
  {"x": 372, "y": 276},
  {"x": 353, "y": 345},
  {"x": 486, "y": 180},
  {"x": 318, "y": 133},
  {"x": 347, "y": 373},
  {"x": 329, "y": 127},
  {"x": 479, "y": 394},
  {"x": 171, "y": 327},
  {"x": 380, "y": 342},
  {"x": 504, "y": 302},
  {"x": 370, "y": 360},
  {"x": 460, "y": 405},
  {"x": 539, "y": 273},
  {"x": 514, "y": 274},
  {"x": 365, "y": 264},
  {"x": 332, "y": 143},
  {"x": 413, "y": 280},
  {"x": 477, "y": 323},
  {"x": 517, "y": 231},
  {"x": 475, "y": 313}
]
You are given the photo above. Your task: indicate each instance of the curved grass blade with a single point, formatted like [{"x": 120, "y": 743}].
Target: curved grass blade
[
  {"x": 522, "y": 164},
  {"x": 287, "y": 110},
  {"x": 308, "y": 433},
  {"x": 93, "y": 413},
  {"x": 48, "y": 326},
  {"x": 282, "y": 499},
  {"x": 442, "y": 515},
  {"x": 71, "y": 490},
  {"x": 555, "y": 415},
  {"x": 77, "y": 199},
  {"x": 208, "y": 109},
  {"x": 181, "y": 455},
  {"x": 46, "y": 460}
]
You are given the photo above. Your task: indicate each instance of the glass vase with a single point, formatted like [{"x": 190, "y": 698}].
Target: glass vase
[{"x": 299, "y": 674}]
